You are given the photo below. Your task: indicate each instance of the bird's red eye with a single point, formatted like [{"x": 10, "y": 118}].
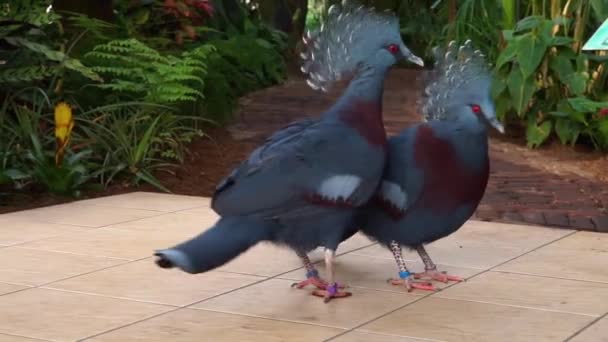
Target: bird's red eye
[
  {"x": 476, "y": 109},
  {"x": 393, "y": 48}
]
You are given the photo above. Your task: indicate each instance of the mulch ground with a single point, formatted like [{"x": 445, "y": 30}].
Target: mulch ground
[{"x": 555, "y": 186}]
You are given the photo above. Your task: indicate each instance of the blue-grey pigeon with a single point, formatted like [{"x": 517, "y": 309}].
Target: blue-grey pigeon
[
  {"x": 437, "y": 171},
  {"x": 302, "y": 187}
]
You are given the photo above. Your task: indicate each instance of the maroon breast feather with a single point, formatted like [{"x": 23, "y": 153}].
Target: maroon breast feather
[{"x": 448, "y": 182}]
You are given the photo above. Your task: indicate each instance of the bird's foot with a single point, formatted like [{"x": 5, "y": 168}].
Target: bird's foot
[
  {"x": 314, "y": 281},
  {"x": 332, "y": 291},
  {"x": 436, "y": 275},
  {"x": 312, "y": 278},
  {"x": 406, "y": 279}
]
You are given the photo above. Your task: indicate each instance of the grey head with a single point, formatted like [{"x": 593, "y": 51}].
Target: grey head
[
  {"x": 460, "y": 87},
  {"x": 352, "y": 38}
]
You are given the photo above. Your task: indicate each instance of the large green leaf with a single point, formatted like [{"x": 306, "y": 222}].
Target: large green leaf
[
  {"x": 567, "y": 131},
  {"x": 521, "y": 89},
  {"x": 529, "y": 23},
  {"x": 562, "y": 66},
  {"x": 600, "y": 9},
  {"x": 582, "y": 104},
  {"x": 577, "y": 82},
  {"x": 498, "y": 87},
  {"x": 502, "y": 105},
  {"x": 530, "y": 53},
  {"x": 561, "y": 41},
  {"x": 602, "y": 129},
  {"x": 56, "y": 56},
  {"x": 563, "y": 106},
  {"x": 509, "y": 53},
  {"x": 537, "y": 134}
]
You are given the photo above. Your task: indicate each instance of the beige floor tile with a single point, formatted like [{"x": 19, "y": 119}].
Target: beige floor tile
[
  {"x": 151, "y": 201},
  {"x": 585, "y": 242},
  {"x": 13, "y": 338},
  {"x": 197, "y": 325},
  {"x": 19, "y": 229},
  {"x": 36, "y": 267},
  {"x": 143, "y": 280},
  {"x": 535, "y": 292},
  {"x": 503, "y": 234},
  {"x": 199, "y": 210},
  {"x": 192, "y": 223},
  {"x": 65, "y": 316},
  {"x": 467, "y": 255},
  {"x": 267, "y": 259},
  {"x": 115, "y": 243},
  {"x": 370, "y": 272},
  {"x": 276, "y": 299},
  {"x": 357, "y": 336},
  {"x": 8, "y": 288},
  {"x": 598, "y": 332},
  {"x": 454, "y": 320},
  {"x": 580, "y": 256},
  {"x": 479, "y": 245},
  {"x": 79, "y": 214}
]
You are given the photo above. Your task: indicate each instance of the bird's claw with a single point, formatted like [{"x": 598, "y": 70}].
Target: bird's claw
[
  {"x": 316, "y": 282},
  {"x": 410, "y": 284},
  {"x": 332, "y": 291},
  {"x": 439, "y": 276}
]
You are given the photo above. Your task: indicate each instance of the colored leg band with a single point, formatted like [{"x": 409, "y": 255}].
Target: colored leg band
[
  {"x": 404, "y": 274},
  {"x": 332, "y": 289},
  {"x": 312, "y": 274}
]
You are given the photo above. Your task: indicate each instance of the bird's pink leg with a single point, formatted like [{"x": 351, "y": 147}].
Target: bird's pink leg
[
  {"x": 312, "y": 275},
  {"x": 405, "y": 277},
  {"x": 430, "y": 269},
  {"x": 333, "y": 289}
]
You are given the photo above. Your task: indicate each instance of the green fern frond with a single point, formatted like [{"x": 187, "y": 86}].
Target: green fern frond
[{"x": 132, "y": 67}]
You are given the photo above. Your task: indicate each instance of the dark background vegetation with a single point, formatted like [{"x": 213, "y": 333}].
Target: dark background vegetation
[{"x": 144, "y": 78}]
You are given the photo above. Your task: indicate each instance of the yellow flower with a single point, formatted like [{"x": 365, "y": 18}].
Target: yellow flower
[{"x": 64, "y": 122}]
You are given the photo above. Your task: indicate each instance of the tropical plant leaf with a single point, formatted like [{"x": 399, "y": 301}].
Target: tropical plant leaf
[
  {"x": 530, "y": 53},
  {"x": 521, "y": 90},
  {"x": 537, "y": 134}
]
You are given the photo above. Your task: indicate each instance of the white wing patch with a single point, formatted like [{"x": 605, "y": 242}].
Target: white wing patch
[
  {"x": 339, "y": 187},
  {"x": 394, "y": 194}
]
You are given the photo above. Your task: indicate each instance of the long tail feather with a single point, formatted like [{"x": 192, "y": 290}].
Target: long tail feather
[{"x": 226, "y": 240}]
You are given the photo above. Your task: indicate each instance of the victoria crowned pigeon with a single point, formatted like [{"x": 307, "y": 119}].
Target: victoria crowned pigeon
[
  {"x": 302, "y": 187},
  {"x": 436, "y": 171}
]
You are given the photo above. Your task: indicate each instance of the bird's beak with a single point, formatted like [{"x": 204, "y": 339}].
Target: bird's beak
[
  {"x": 490, "y": 114},
  {"x": 407, "y": 54},
  {"x": 497, "y": 124}
]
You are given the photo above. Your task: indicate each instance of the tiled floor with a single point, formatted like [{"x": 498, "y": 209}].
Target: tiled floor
[{"x": 84, "y": 271}]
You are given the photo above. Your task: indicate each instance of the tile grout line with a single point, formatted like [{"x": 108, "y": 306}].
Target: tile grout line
[
  {"x": 90, "y": 272},
  {"x": 589, "y": 325},
  {"x": 453, "y": 284},
  {"x": 73, "y": 253},
  {"x": 518, "y": 306},
  {"x": 206, "y": 299},
  {"x": 242, "y": 314},
  {"x": 24, "y": 336},
  {"x": 552, "y": 277},
  {"x": 174, "y": 309},
  {"x": 418, "y": 260},
  {"x": 87, "y": 229}
]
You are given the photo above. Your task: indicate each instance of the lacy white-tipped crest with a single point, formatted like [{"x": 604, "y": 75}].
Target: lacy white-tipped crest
[
  {"x": 336, "y": 48},
  {"x": 458, "y": 72}
]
